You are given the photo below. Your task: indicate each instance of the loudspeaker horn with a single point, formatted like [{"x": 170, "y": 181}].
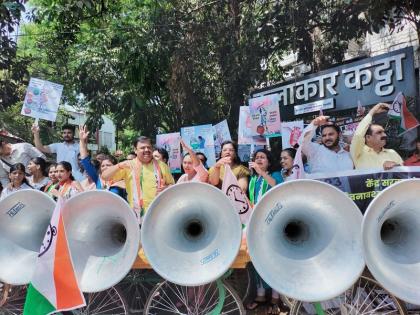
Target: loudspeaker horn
[
  {"x": 103, "y": 236},
  {"x": 191, "y": 234},
  {"x": 24, "y": 218},
  {"x": 391, "y": 239},
  {"x": 304, "y": 239}
]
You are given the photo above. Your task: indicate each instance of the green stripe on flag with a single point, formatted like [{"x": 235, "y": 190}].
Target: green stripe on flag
[{"x": 36, "y": 303}]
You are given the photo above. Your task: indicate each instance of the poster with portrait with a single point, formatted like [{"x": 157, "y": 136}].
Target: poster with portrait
[
  {"x": 171, "y": 143},
  {"x": 221, "y": 134},
  {"x": 290, "y": 133},
  {"x": 42, "y": 99},
  {"x": 265, "y": 116},
  {"x": 201, "y": 139},
  {"x": 245, "y": 129}
]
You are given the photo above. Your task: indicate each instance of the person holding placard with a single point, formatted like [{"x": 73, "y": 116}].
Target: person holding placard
[
  {"x": 67, "y": 150},
  {"x": 194, "y": 170}
]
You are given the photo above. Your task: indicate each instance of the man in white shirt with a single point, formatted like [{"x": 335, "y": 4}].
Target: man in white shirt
[
  {"x": 66, "y": 151},
  {"x": 11, "y": 154},
  {"x": 329, "y": 156}
]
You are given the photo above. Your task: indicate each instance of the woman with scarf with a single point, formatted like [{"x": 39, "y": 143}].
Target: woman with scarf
[{"x": 262, "y": 179}]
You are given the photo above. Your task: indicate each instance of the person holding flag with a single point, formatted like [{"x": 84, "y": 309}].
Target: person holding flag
[{"x": 368, "y": 144}]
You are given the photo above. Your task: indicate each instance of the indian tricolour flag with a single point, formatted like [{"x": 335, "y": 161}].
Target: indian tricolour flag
[
  {"x": 54, "y": 285},
  {"x": 400, "y": 111}
]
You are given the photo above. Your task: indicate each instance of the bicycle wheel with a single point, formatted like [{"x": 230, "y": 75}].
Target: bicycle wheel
[
  {"x": 365, "y": 297},
  {"x": 241, "y": 281},
  {"x": 136, "y": 288},
  {"x": 214, "y": 298},
  {"x": 103, "y": 303},
  {"x": 15, "y": 300}
]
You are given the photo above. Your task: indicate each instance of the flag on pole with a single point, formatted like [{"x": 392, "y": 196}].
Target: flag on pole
[
  {"x": 236, "y": 195},
  {"x": 400, "y": 111},
  {"x": 360, "y": 109},
  {"x": 54, "y": 286}
]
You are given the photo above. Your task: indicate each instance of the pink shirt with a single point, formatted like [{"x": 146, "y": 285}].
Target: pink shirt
[{"x": 201, "y": 175}]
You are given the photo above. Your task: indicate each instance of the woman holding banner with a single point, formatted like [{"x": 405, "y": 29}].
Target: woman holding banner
[
  {"x": 229, "y": 155},
  {"x": 194, "y": 170}
]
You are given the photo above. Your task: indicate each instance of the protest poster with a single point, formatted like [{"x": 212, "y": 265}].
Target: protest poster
[
  {"x": 42, "y": 99},
  {"x": 171, "y": 143},
  {"x": 221, "y": 134},
  {"x": 245, "y": 129},
  {"x": 363, "y": 185},
  {"x": 265, "y": 116},
  {"x": 245, "y": 151},
  {"x": 201, "y": 139},
  {"x": 290, "y": 133}
]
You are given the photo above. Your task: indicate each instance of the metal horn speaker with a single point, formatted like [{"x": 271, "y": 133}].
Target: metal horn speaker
[
  {"x": 304, "y": 239},
  {"x": 191, "y": 234},
  {"x": 391, "y": 239},
  {"x": 103, "y": 236},
  {"x": 24, "y": 219}
]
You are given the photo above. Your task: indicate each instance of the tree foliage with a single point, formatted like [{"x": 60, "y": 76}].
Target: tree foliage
[{"x": 162, "y": 64}]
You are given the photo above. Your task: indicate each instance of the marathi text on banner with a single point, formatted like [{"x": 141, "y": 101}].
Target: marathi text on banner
[
  {"x": 201, "y": 139},
  {"x": 171, "y": 143},
  {"x": 42, "y": 99},
  {"x": 363, "y": 186}
]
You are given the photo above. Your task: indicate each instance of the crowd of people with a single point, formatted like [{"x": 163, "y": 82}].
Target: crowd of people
[{"x": 144, "y": 173}]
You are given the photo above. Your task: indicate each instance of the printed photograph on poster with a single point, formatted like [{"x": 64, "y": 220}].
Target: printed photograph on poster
[
  {"x": 221, "y": 134},
  {"x": 201, "y": 139},
  {"x": 245, "y": 129},
  {"x": 42, "y": 99},
  {"x": 170, "y": 142},
  {"x": 265, "y": 116},
  {"x": 290, "y": 133},
  {"x": 244, "y": 151}
]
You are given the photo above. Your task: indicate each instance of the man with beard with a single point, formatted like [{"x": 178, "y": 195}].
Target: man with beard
[
  {"x": 11, "y": 154},
  {"x": 368, "y": 144},
  {"x": 68, "y": 150},
  {"x": 329, "y": 156},
  {"x": 144, "y": 176}
]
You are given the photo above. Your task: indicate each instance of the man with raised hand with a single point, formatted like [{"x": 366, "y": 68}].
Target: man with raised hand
[
  {"x": 68, "y": 150},
  {"x": 368, "y": 144},
  {"x": 329, "y": 155}
]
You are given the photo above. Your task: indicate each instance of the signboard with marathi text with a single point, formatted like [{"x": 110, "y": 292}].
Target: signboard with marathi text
[
  {"x": 363, "y": 185},
  {"x": 368, "y": 80}
]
